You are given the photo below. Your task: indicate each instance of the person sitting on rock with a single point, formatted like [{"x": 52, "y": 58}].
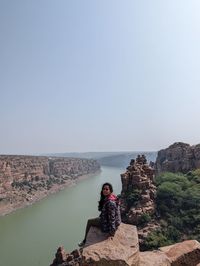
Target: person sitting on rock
[{"x": 109, "y": 218}]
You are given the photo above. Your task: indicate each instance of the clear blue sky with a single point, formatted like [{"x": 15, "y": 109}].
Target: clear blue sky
[{"x": 104, "y": 75}]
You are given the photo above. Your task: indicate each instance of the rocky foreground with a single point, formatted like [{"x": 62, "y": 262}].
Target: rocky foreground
[
  {"x": 27, "y": 179},
  {"x": 123, "y": 250}
]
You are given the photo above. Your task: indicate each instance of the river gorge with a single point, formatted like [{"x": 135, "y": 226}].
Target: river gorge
[{"x": 30, "y": 236}]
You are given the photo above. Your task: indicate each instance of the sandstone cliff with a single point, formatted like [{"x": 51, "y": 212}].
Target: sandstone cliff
[
  {"x": 26, "y": 179},
  {"x": 178, "y": 157}
]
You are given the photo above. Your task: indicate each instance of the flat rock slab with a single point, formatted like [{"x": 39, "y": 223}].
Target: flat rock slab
[
  {"x": 122, "y": 250},
  {"x": 154, "y": 258},
  {"x": 186, "y": 253}
]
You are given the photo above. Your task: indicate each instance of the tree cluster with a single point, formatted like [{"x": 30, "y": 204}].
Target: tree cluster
[{"x": 178, "y": 209}]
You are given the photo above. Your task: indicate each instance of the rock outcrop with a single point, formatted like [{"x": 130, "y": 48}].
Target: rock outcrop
[
  {"x": 154, "y": 258},
  {"x": 63, "y": 258},
  {"x": 26, "y": 179},
  {"x": 123, "y": 249},
  {"x": 138, "y": 192},
  {"x": 184, "y": 253},
  {"x": 179, "y": 157},
  {"x": 99, "y": 250}
]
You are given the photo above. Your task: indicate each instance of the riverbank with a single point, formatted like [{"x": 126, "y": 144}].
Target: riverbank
[{"x": 23, "y": 200}]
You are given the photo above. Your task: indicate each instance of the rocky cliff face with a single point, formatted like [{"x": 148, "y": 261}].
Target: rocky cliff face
[
  {"x": 179, "y": 157},
  {"x": 138, "y": 191},
  {"x": 26, "y": 179}
]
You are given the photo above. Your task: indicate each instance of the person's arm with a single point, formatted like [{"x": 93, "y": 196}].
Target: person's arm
[{"x": 111, "y": 217}]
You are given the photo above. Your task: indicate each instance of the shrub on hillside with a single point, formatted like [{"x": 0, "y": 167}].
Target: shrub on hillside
[{"x": 133, "y": 197}]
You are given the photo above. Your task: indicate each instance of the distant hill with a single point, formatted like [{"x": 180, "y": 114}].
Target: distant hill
[
  {"x": 115, "y": 159},
  {"x": 123, "y": 160},
  {"x": 87, "y": 155}
]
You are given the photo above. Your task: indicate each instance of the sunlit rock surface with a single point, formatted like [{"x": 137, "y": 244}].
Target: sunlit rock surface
[{"x": 178, "y": 157}]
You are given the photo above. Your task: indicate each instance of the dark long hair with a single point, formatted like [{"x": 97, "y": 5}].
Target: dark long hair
[{"x": 102, "y": 197}]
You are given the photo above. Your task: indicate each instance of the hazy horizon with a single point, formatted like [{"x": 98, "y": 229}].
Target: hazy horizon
[
  {"x": 79, "y": 76},
  {"x": 77, "y": 152}
]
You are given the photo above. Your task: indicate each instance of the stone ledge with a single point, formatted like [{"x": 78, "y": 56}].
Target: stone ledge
[
  {"x": 122, "y": 250},
  {"x": 184, "y": 253}
]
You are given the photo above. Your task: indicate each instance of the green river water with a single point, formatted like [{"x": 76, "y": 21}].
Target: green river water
[{"x": 30, "y": 236}]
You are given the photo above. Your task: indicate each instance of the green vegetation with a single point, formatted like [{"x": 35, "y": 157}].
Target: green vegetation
[
  {"x": 144, "y": 219},
  {"x": 36, "y": 183},
  {"x": 156, "y": 239},
  {"x": 133, "y": 197},
  {"x": 178, "y": 206}
]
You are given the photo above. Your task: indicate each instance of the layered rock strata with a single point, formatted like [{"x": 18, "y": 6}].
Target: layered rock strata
[
  {"x": 179, "y": 157},
  {"x": 26, "y": 179},
  {"x": 138, "y": 192}
]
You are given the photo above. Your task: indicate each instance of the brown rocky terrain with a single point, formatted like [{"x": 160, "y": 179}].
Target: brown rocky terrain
[
  {"x": 26, "y": 179},
  {"x": 138, "y": 191},
  {"x": 123, "y": 250},
  {"x": 138, "y": 197},
  {"x": 178, "y": 157}
]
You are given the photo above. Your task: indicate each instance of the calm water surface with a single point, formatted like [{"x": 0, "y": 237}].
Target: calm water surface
[{"x": 30, "y": 236}]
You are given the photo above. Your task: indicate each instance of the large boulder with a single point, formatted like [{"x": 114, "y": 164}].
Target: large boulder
[
  {"x": 122, "y": 249},
  {"x": 186, "y": 253}
]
